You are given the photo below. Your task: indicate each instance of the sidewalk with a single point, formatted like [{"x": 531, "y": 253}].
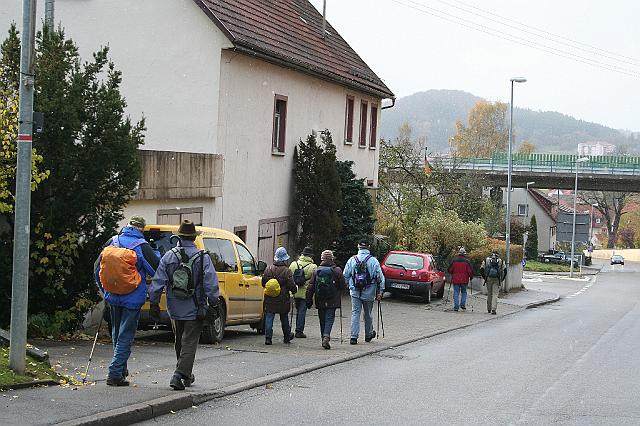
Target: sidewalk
[{"x": 241, "y": 362}]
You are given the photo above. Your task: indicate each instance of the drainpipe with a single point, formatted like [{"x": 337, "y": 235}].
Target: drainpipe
[{"x": 393, "y": 103}]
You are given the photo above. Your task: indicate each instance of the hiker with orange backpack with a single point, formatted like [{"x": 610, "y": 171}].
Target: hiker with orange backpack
[{"x": 121, "y": 274}]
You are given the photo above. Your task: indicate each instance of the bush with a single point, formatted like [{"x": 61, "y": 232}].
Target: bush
[{"x": 478, "y": 255}]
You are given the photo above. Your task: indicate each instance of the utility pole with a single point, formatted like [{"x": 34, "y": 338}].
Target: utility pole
[
  {"x": 22, "y": 226},
  {"x": 49, "y": 13}
]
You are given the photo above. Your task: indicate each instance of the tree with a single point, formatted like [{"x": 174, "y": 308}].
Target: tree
[
  {"x": 611, "y": 207},
  {"x": 531, "y": 247},
  {"x": 626, "y": 237},
  {"x": 356, "y": 214},
  {"x": 486, "y": 133},
  {"x": 90, "y": 147},
  {"x": 526, "y": 148},
  {"x": 317, "y": 195}
]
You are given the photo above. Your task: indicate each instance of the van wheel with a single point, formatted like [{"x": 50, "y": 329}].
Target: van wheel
[
  {"x": 214, "y": 333},
  {"x": 427, "y": 297},
  {"x": 259, "y": 326}
]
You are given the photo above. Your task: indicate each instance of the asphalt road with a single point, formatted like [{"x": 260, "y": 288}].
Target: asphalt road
[{"x": 573, "y": 363}]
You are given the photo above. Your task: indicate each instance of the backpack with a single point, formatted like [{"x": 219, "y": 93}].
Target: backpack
[
  {"x": 362, "y": 279},
  {"x": 182, "y": 280},
  {"x": 118, "y": 267},
  {"x": 494, "y": 268},
  {"x": 272, "y": 288},
  {"x": 298, "y": 275},
  {"x": 325, "y": 282}
]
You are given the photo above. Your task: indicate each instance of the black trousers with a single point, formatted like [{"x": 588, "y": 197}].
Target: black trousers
[{"x": 187, "y": 334}]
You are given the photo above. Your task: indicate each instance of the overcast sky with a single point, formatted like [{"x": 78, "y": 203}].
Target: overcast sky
[{"x": 412, "y": 50}]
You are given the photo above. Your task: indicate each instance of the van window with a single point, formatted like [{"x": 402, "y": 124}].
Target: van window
[
  {"x": 247, "y": 260},
  {"x": 222, "y": 254},
  {"x": 159, "y": 241}
]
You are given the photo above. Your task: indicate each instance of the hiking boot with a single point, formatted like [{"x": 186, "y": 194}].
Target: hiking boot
[
  {"x": 493, "y": 312},
  {"x": 289, "y": 338},
  {"x": 176, "y": 382},
  {"x": 188, "y": 382},
  {"x": 267, "y": 341},
  {"x": 464, "y": 308},
  {"x": 353, "y": 341},
  {"x": 120, "y": 381},
  {"x": 370, "y": 338},
  {"x": 325, "y": 343},
  {"x": 300, "y": 335},
  {"x": 455, "y": 309},
  {"x": 488, "y": 311}
]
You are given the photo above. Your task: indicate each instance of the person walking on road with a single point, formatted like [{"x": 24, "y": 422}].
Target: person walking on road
[
  {"x": 188, "y": 299},
  {"x": 279, "y": 302},
  {"x": 302, "y": 270},
  {"x": 121, "y": 274},
  {"x": 326, "y": 286},
  {"x": 494, "y": 271},
  {"x": 461, "y": 273},
  {"x": 366, "y": 284}
]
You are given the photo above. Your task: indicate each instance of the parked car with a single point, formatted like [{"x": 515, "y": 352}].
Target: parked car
[
  {"x": 414, "y": 274},
  {"x": 616, "y": 259},
  {"x": 553, "y": 256},
  {"x": 239, "y": 279}
]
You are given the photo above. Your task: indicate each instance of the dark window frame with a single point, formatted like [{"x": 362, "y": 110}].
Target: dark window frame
[
  {"x": 364, "y": 114},
  {"x": 279, "y": 129},
  {"x": 373, "y": 132},
  {"x": 348, "y": 120}
]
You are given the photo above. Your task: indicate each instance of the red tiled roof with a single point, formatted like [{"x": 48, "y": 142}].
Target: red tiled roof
[{"x": 289, "y": 32}]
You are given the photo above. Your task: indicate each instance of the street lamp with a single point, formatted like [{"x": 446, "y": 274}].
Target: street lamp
[
  {"x": 591, "y": 223},
  {"x": 526, "y": 216},
  {"x": 575, "y": 199},
  {"x": 509, "y": 171}
]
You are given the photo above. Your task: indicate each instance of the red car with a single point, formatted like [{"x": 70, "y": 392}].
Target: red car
[{"x": 413, "y": 274}]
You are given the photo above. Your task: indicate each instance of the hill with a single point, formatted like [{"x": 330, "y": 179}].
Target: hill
[{"x": 434, "y": 113}]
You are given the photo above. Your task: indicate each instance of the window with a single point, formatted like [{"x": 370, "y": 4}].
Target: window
[
  {"x": 363, "y": 125},
  {"x": 597, "y": 220},
  {"x": 405, "y": 261},
  {"x": 222, "y": 254},
  {"x": 348, "y": 121},
  {"x": 373, "y": 134},
  {"x": 176, "y": 216},
  {"x": 522, "y": 210},
  {"x": 279, "y": 124},
  {"x": 247, "y": 261},
  {"x": 241, "y": 232}
]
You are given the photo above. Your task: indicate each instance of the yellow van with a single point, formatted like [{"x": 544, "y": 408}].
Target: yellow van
[{"x": 239, "y": 278}]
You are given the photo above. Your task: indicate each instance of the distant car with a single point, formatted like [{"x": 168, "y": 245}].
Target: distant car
[
  {"x": 414, "y": 274},
  {"x": 616, "y": 259}
]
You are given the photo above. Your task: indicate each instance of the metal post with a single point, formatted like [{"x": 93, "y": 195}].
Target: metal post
[
  {"x": 573, "y": 232},
  {"x": 507, "y": 238},
  {"x": 49, "y": 13},
  {"x": 20, "y": 276},
  {"x": 324, "y": 18}
]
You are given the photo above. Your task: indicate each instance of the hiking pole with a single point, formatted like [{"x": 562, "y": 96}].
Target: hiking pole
[
  {"x": 378, "y": 322},
  {"x": 380, "y": 317},
  {"x": 86, "y": 371},
  {"x": 340, "y": 322},
  {"x": 471, "y": 297}
]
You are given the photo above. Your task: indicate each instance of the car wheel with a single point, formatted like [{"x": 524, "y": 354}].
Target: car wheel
[
  {"x": 440, "y": 293},
  {"x": 259, "y": 326},
  {"x": 427, "y": 296},
  {"x": 214, "y": 333}
]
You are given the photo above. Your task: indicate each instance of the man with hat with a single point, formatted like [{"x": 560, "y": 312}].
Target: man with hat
[
  {"x": 280, "y": 303},
  {"x": 366, "y": 284},
  {"x": 461, "y": 273},
  {"x": 303, "y": 267},
  {"x": 124, "y": 307},
  {"x": 185, "y": 310}
]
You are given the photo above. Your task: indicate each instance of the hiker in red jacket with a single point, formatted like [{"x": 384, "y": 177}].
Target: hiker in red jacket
[{"x": 461, "y": 273}]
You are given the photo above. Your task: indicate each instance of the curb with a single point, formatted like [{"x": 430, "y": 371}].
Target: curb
[
  {"x": 157, "y": 407},
  {"x": 543, "y": 302},
  {"x": 26, "y": 385}
]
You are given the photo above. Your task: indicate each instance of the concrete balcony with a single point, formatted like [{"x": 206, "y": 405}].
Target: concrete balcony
[{"x": 168, "y": 175}]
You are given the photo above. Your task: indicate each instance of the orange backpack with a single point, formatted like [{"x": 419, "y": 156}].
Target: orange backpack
[{"x": 118, "y": 272}]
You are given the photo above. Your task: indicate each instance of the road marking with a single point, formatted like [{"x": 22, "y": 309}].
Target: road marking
[{"x": 582, "y": 290}]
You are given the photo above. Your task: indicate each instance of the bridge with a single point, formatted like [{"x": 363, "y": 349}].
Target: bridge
[{"x": 557, "y": 171}]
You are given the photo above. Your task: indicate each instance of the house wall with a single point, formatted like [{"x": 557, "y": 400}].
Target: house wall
[
  {"x": 257, "y": 183},
  {"x": 546, "y": 225}
]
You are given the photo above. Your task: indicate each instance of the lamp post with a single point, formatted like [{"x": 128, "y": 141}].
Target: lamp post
[
  {"x": 591, "y": 223},
  {"x": 509, "y": 167},
  {"x": 575, "y": 199},
  {"x": 526, "y": 218}
]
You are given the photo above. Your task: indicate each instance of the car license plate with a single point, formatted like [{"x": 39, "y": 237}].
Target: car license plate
[{"x": 399, "y": 285}]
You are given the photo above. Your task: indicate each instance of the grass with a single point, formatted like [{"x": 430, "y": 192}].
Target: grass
[
  {"x": 36, "y": 370},
  {"x": 535, "y": 266}
]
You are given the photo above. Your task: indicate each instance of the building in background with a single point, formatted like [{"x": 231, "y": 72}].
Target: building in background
[{"x": 596, "y": 148}]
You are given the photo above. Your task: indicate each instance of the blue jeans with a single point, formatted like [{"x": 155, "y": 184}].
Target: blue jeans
[
  {"x": 458, "y": 288},
  {"x": 301, "y": 314},
  {"x": 124, "y": 323},
  {"x": 357, "y": 306},
  {"x": 327, "y": 317},
  {"x": 268, "y": 324}
]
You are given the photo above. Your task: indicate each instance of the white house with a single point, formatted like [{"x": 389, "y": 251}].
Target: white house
[{"x": 228, "y": 88}]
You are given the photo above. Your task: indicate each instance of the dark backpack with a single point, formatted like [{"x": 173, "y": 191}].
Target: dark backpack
[
  {"x": 325, "y": 282},
  {"x": 182, "y": 279},
  {"x": 298, "y": 275},
  {"x": 493, "y": 270},
  {"x": 362, "y": 279}
]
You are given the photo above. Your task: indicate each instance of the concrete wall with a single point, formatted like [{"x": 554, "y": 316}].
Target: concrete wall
[
  {"x": 513, "y": 281},
  {"x": 168, "y": 52},
  {"x": 632, "y": 255},
  {"x": 257, "y": 184},
  {"x": 546, "y": 225}
]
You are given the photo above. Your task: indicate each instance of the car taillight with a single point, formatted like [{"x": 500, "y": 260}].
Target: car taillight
[{"x": 423, "y": 276}]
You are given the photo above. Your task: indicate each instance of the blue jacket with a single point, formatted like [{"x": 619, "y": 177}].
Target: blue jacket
[
  {"x": 181, "y": 309},
  {"x": 375, "y": 272},
  {"x": 146, "y": 265}
]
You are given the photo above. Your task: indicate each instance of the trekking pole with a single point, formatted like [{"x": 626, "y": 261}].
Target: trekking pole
[
  {"x": 378, "y": 322},
  {"x": 471, "y": 297},
  {"x": 340, "y": 322},
  {"x": 86, "y": 371},
  {"x": 380, "y": 316}
]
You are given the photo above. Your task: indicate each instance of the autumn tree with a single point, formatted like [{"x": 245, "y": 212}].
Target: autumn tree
[
  {"x": 526, "y": 148},
  {"x": 485, "y": 134},
  {"x": 611, "y": 206}
]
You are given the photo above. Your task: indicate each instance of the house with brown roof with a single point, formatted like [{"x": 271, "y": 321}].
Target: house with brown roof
[{"x": 228, "y": 88}]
